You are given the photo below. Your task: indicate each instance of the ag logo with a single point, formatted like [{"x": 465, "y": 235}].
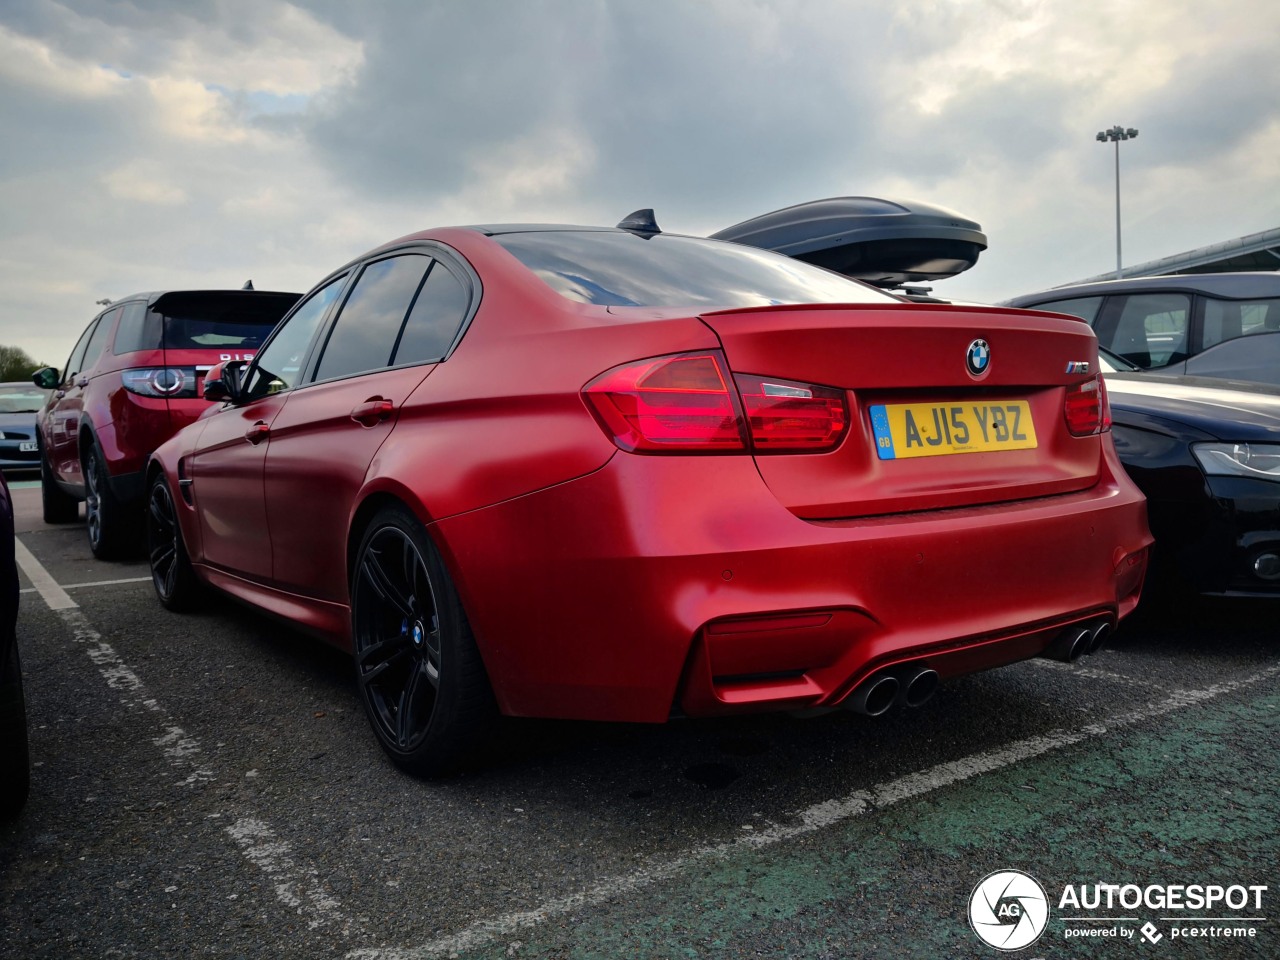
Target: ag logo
[{"x": 1008, "y": 910}]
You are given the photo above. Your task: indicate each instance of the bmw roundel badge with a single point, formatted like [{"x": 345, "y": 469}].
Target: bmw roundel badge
[{"x": 978, "y": 359}]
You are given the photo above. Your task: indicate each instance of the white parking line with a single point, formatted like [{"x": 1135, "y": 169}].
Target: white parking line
[
  {"x": 91, "y": 583},
  {"x": 1094, "y": 673},
  {"x": 297, "y": 887},
  {"x": 808, "y": 820}
]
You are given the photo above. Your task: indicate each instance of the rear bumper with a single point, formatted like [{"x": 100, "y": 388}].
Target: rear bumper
[
  {"x": 661, "y": 584},
  {"x": 1215, "y": 542}
]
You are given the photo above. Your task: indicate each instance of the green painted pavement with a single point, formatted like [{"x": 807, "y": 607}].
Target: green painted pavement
[{"x": 1188, "y": 798}]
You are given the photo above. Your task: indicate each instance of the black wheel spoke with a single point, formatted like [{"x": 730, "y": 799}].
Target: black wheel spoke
[
  {"x": 384, "y": 586},
  {"x": 379, "y": 657},
  {"x": 407, "y": 713}
]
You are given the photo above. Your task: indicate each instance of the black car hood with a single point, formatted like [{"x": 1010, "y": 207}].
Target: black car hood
[
  {"x": 16, "y": 420},
  {"x": 1219, "y": 409}
]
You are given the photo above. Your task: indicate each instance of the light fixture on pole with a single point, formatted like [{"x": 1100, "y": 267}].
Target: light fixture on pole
[{"x": 1116, "y": 134}]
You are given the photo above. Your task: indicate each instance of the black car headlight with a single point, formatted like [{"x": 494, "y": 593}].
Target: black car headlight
[{"x": 1260, "y": 461}]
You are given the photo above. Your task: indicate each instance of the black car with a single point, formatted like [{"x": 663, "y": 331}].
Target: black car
[
  {"x": 14, "y": 766},
  {"x": 1205, "y": 325},
  {"x": 19, "y": 403},
  {"x": 1206, "y": 453}
]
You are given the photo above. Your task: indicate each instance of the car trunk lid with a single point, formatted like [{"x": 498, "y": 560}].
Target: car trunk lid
[{"x": 927, "y": 429}]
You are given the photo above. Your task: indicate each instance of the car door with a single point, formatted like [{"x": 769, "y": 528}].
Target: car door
[
  {"x": 226, "y": 466},
  {"x": 398, "y": 320},
  {"x": 67, "y": 413}
]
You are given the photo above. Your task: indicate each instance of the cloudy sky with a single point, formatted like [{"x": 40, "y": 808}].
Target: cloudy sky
[{"x": 164, "y": 144}]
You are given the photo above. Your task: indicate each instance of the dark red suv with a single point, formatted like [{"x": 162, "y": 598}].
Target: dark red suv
[{"x": 131, "y": 382}]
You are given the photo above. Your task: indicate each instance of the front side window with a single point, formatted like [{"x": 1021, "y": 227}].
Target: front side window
[
  {"x": 75, "y": 361},
  {"x": 1228, "y": 319},
  {"x": 364, "y": 336},
  {"x": 617, "y": 268},
  {"x": 279, "y": 366}
]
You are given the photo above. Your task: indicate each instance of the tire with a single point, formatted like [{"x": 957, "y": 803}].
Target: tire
[
  {"x": 421, "y": 678},
  {"x": 15, "y": 761},
  {"x": 171, "y": 574},
  {"x": 59, "y": 506},
  {"x": 114, "y": 527}
]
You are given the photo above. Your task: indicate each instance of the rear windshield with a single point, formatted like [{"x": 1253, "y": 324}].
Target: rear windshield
[
  {"x": 219, "y": 320},
  {"x": 623, "y": 269}
]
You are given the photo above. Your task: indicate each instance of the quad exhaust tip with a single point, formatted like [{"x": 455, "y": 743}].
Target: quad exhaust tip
[
  {"x": 1078, "y": 640},
  {"x": 910, "y": 685}
]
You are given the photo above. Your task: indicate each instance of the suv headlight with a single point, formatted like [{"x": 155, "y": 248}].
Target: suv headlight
[{"x": 1258, "y": 460}]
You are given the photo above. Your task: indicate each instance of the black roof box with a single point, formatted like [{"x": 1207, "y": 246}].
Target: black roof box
[{"x": 884, "y": 242}]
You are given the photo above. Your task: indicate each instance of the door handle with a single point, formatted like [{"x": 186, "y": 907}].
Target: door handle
[
  {"x": 82, "y": 382},
  {"x": 257, "y": 433},
  {"x": 373, "y": 411}
]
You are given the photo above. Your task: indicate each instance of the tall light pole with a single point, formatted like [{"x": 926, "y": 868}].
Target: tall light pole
[{"x": 1117, "y": 133}]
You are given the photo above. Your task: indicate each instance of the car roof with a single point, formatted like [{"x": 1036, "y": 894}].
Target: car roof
[
  {"x": 151, "y": 296},
  {"x": 1232, "y": 286}
]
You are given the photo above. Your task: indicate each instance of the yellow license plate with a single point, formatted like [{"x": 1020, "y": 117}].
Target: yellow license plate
[{"x": 905, "y": 430}]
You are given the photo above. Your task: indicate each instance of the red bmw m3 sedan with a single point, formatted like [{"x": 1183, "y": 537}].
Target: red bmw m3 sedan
[{"x": 617, "y": 474}]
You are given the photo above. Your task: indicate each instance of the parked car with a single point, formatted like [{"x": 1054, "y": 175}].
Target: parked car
[
  {"x": 1206, "y": 453},
  {"x": 19, "y": 403},
  {"x": 15, "y": 767},
  {"x": 1209, "y": 325},
  {"x": 132, "y": 380},
  {"x": 617, "y": 474}
]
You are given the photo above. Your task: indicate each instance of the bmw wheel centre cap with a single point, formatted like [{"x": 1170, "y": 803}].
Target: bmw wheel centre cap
[{"x": 978, "y": 358}]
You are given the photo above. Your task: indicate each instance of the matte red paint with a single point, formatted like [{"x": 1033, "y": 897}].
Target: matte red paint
[{"x": 605, "y": 584}]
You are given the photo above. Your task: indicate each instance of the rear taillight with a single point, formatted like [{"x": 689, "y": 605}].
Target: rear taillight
[
  {"x": 160, "y": 381},
  {"x": 1087, "y": 410},
  {"x": 794, "y": 417},
  {"x": 688, "y": 403},
  {"x": 669, "y": 404}
]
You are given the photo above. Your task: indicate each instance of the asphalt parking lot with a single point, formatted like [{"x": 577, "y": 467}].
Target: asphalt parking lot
[{"x": 207, "y": 785}]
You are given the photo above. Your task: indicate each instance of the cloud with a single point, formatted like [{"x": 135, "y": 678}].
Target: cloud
[{"x": 151, "y": 144}]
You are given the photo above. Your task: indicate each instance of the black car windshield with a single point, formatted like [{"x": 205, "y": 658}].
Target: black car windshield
[
  {"x": 21, "y": 398},
  {"x": 628, "y": 270}
]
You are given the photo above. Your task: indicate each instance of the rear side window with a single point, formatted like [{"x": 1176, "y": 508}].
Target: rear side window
[
  {"x": 435, "y": 318},
  {"x": 622, "y": 269},
  {"x": 1228, "y": 319},
  {"x": 1086, "y": 308},
  {"x": 138, "y": 330}
]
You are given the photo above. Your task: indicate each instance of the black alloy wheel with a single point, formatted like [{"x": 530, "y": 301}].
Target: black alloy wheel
[
  {"x": 421, "y": 678},
  {"x": 102, "y": 519},
  {"x": 171, "y": 572}
]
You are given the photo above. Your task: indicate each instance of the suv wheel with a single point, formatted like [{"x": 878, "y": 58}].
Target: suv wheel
[
  {"x": 113, "y": 528},
  {"x": 59, "y": 506}
]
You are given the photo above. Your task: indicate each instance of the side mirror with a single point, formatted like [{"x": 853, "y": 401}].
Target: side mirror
[
  {"x": 46, "y": 378},
  {"x": 222, "y": 382}
]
